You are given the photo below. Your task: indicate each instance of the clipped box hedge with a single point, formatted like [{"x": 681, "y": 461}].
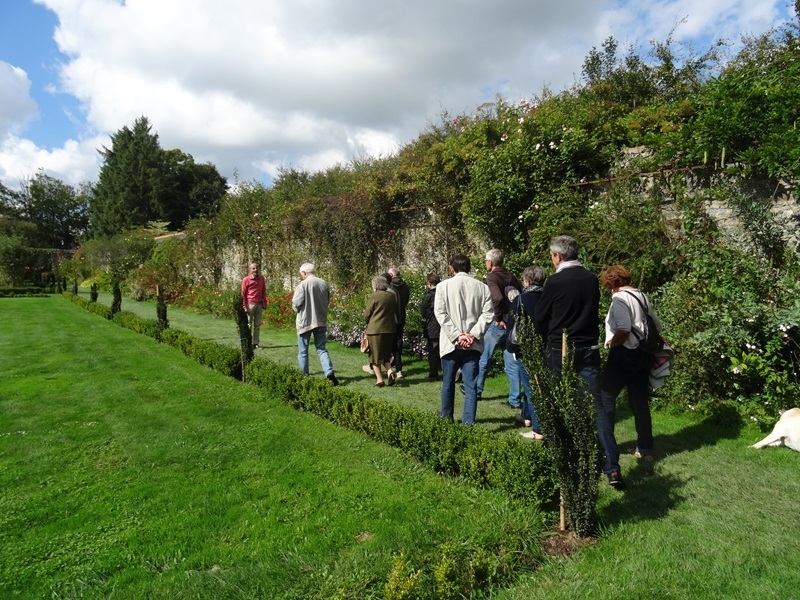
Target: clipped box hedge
[{"x": 23, "y": 292}]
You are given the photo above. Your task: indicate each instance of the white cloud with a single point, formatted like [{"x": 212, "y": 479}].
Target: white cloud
[
  {"x": 75, "y": 162},
  {"x": 16, "y": 105},
  {"x": 252, "y": 85}
]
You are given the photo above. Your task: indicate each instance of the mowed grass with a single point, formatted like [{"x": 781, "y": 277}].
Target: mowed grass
[
  {"x": 127, "y": 470},
  {"x": 712, "y": 518},
  {"x": 280, "y": 345}
]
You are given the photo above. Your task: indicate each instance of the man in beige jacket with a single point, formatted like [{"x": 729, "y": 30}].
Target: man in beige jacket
[{"x": 463, "y": 307}]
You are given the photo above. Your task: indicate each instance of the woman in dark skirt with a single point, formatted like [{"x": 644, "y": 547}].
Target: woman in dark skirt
[{"x": 380, "y": 316}]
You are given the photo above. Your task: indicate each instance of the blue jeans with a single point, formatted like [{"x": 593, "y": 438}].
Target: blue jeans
[
  {"x": 320, "y": 338},
  {"x": 467, "y": 361},
  {"x": 631, "y": 368},
  {"x": 528, "y": 411},
  {"x": 512, "y": 368},
  {"x": 495, "y": 336}
]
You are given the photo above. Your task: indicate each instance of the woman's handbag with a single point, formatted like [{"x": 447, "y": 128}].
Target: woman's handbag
[{"x": 365, "y": 344}]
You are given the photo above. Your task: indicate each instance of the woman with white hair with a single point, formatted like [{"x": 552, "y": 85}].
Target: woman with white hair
[{"x": 380, "y": 315}]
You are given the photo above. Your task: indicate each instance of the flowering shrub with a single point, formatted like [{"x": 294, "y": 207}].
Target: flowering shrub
[
  {"x": 209, "y": 299},
  {"x": 346, "y": 317},
  {"x": 278, "y": 312}
]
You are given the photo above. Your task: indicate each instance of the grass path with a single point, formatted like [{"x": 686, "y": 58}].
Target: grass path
[{"x": 712, "y": 518}]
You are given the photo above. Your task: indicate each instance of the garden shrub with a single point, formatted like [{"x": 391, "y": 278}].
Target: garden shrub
[
  {"x": 134, "y": 322},
  {"x": 224, "y": 359},
  {"x": 23, "y": 292},
  {"x": 99, "y": 309},
  {"x": 566, "y": 413}
]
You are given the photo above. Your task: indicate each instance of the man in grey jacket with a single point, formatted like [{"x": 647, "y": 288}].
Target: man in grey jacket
[
  {"x": 463, "y": 307},
  {"x": 310, "y": 302}
]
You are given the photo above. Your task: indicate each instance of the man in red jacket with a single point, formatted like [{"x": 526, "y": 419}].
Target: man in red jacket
[{"x": 254, "y": 301}]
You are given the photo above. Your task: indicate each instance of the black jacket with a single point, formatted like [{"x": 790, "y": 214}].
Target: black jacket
[
  {"x": 432, "y": 327},
  {"x": 571, "y": 301},
  {"x": 403, "y": 294}
]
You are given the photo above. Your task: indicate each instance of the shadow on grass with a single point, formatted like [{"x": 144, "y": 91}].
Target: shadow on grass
[
  {"x": 651, "y": 495},
  {"x": 723, "y": 423}
]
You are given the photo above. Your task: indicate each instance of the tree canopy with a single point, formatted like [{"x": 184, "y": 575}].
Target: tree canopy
[{"x": 140, "y": 182}]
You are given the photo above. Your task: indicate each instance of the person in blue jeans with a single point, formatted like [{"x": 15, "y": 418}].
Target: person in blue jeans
[
  {"x": 524, "y": 307},
  {"x": 310, "y": 301},
  {"x": 463, "y": 308},
  {"x": 497, "y": 281}
]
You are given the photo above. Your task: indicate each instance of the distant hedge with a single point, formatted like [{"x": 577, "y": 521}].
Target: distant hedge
[
  {"x": 489, "y": 460},
  {"x": 23, "y": 292}
]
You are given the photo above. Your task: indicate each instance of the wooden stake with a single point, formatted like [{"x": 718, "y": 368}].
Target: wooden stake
[{"x": 562, "y": 512}]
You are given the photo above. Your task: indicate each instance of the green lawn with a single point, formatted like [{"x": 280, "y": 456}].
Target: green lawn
[
  {"x": 281, "y": 346},
  {"x": 174, "y": 482},
  {"x": 127, "y": 470}
]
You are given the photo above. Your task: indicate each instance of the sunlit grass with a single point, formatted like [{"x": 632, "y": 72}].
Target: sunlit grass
[{"x": 128, "y": 470}]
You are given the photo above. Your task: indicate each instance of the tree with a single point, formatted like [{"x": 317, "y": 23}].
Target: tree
[
  {"x": 59, "y": 214},
  {"x": 139, "y": 182}
]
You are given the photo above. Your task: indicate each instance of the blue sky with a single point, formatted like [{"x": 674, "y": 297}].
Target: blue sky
[{"x": 256, "y": 85}]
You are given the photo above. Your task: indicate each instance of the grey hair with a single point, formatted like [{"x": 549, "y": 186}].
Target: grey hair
[
  {"x": 565, "y": 246},
  {"x": 534, "y": 275},
  {"x": 393, "y": 271},
  {"x": 379, "y": 283},
  {"x": 307, "y": 268},
  {"x": 495, "y": 256}
]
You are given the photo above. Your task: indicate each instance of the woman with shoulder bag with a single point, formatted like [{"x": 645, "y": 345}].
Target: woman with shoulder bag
[{"x": 627, "y": 366}]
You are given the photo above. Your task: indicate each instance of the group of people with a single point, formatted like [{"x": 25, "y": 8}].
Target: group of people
[
  {"x": 467, "y": 320},
  {"x": 476, "y": 318}
]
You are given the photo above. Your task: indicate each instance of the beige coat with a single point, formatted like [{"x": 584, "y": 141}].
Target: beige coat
[{"x": 462, "y": 305}]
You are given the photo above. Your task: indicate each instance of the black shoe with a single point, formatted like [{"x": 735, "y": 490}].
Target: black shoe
[
  {"x": 332, "y": 379},
  {"x": 616, "y": 481}
]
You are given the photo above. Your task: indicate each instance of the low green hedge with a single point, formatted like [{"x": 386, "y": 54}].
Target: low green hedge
[
  {"x": 224, "y": 359},
  {"x": 129, "y": 320},
  {"x": 92, "y": 307},
  {"x": 23, "y": 292},
  {"x": 506, "y": 462}
]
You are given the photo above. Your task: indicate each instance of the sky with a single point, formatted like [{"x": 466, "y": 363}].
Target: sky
[{"x": 253, "y": 86}]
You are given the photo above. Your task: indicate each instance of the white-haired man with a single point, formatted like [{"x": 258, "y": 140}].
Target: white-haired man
[{"x": 310, "y": 302}]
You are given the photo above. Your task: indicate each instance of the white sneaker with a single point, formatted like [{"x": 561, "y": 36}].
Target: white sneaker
[
  {"x": 398, "y": 375},
  {"x": 367, "y": 369},
  {"x": 532, "y": 435}
]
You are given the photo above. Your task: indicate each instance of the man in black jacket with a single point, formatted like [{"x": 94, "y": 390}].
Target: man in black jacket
[
  {"x": 403, "y": 293},
  {"x": 571, "y": 301},
  {"x": 432, "y": 327}
]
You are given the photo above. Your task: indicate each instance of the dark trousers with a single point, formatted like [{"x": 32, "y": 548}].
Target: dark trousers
[
  {"x": 631, "y": 369},
  {"x": 434, "y": 360},
  {"x": 398, "y": 348}
]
